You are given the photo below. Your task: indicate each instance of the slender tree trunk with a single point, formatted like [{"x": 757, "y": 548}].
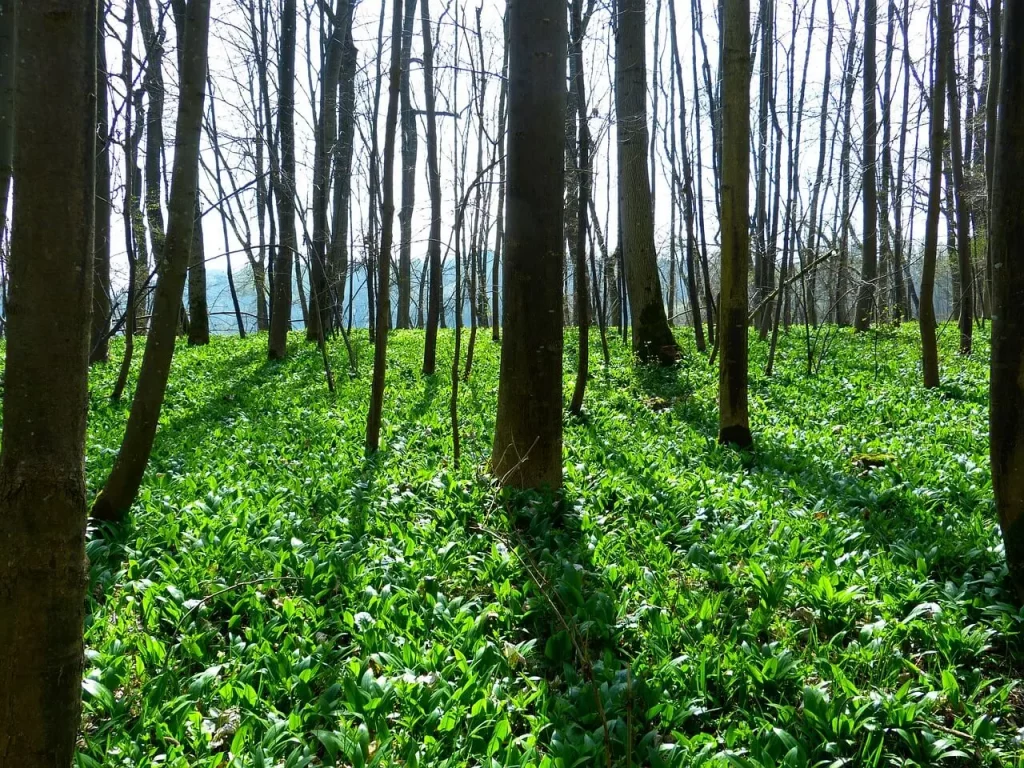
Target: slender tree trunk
[
  {"x": 409, "y": 147},
  {"x": 434, "y": 308},
  {"x": 100, "y": 337},
  {"x": 869, "y": 246},
  {"x": 527, "y": 450},
  {"x": 340, "y": 259},
  {"x": 119, "y": 492},
  {"x": 929, "y": 349},
  {"x": 320, "y": 284},
  {"x": 380, "y": 350},
  {"x": 849, "y": 85},
  {"x": 499, "y": 236},
  {"x": 902, "y": 308},
  {"x": 1007, "y": 376},
  {"x": 284, "y": 189},
  {"x": 43, "y": 571},
  {"x": 765, "y": 99},
  {"x": 582, "y": 295},
  {"x": 734, "y": 425},
  {"x": 963, "y": 213},
  {"x": 995, "y": 50}
]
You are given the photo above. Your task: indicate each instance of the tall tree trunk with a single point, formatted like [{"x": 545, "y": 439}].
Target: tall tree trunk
[
  {"x": 869, "y": 245},
  {"x": 652, "y": 337},
  {"x": 434, "y": 308},
  {"x": 284, "y": 189},
  {"x": 527, "y": 450},
  {"x": 963, "y": 213},
  {"x": 903, "y": 308},
  {"x": 43, "y": 571},
  {"x": 100, "y": 336},
  {"x": 409, "y": 150},
  {"x": 929, "y": 348},
  {"x": 849, "y": 85},
  {"x": 995, "y": 50},
  {"x": 761, "y": 269},
  {"x": 326, "y": 140},
  {"x": 1007, "y": 376},
  {"x": 582, "y": 295},
  {"x": 340, "y": 259},
  {"x": 734, "y": 425},
  {"x": 380, "y": 350},
  {"x": 119, "y": 492},
  {"x": 499, "y": 235}
]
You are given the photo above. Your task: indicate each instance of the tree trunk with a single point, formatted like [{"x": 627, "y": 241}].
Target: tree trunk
[
  {"x": 499, "y": 235},
  {"x": 380, "y": 350},
  {"x": 326, "y": 140},
  {"x": 409, "y": 151},
  {"x": 734, "y": 425},
  {"x": 43, "y": 570},
  {"x": 652, "y": 337},
  {"x": 929, "y": 348},
  {"x": 100, "y": 337},
  {"x": 434, "y": 308},
  {"x": 963, "y": 212},
  {"x": 583, "y": 166},
  {"x": 1007, "y": 376},
  {"x": 527, "y": 451},
  {"x": 339, "y": 263},
  {"x": 284, "y": 189},
  {"x": 8, "y": 36},
  {"x": 117, "y": 496},
  {"x": 995, "y": 49},
  {"x": 869, "y": 245}
]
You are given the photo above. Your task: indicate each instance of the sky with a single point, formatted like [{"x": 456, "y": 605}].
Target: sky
[{"x": 231, "y": 67}]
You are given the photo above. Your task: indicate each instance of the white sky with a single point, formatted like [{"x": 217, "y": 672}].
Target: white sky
[{"x": 231, "y": 69}]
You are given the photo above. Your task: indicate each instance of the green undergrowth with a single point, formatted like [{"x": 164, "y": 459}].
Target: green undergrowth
[{"x": 835, "y": 597}]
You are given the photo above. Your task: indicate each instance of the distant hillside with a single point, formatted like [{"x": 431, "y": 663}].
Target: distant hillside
[{"x": 222, "y": 314}]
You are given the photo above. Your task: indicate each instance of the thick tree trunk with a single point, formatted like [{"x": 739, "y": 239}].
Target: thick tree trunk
[
  {"x": 380, "y": 350},
  {"x": 126, "y": 476},
  {"x": 434, "y": 308},
  {"x": 652, "y": 337},
  {"x": 734, "y": 425},
  {"x": 284, "y": 190},
  {"x": 929, "y": 348},
  {"x": 869, "y": 245},
  {"x": 1007, "y": 396},
  {"x": 43, "y": 571},
  {"x": 527, "y": 450}
]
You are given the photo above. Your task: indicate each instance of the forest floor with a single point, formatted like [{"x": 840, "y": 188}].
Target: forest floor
[{"x": 833, "y": 598}]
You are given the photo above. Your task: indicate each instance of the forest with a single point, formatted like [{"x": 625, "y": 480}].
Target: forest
[{"x": 519, "y": 384}]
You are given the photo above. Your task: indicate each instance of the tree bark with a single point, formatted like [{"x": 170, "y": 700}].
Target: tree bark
[
  {"x": 380, "y": 350},
  {"x": 869, "y": 245},
  {"x": 734, "y": 425},
  {"x": 409, "y": 150},
  {"x": 652, "y": 337},
  {"x": 527, "y": 450},
  {"x": 125, "y": 478},
  {"x": 434, "y": 308},
  {"x": 929, "y": 348},
  {"x": 963, "y": 212},
  {"x": 1007, "y": 375},
  {"x": 284, "y": 190},
  {"x": 100, "y": 337},
  {"x": 43, "y": 570}
]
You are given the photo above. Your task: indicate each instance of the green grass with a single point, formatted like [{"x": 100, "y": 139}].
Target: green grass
[{"x": 835, "y": 598}]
